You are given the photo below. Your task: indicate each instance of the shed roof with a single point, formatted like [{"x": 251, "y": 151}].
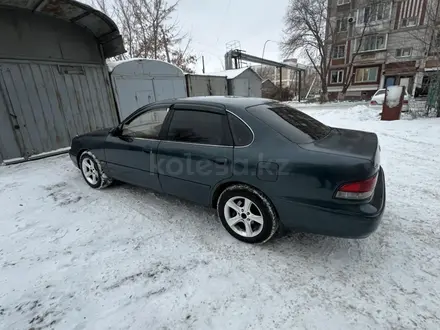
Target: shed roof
[
  {"x": 98, "y": 23},
  {"x": 164, "y": 67},
  {"x": 230, "y": 74},
  {"x": 269, "y": 82}
]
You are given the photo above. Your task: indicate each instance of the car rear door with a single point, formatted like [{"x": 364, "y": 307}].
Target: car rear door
[
  {"x": 197, "y": 152},
  {"x": 131, "y": 152}
]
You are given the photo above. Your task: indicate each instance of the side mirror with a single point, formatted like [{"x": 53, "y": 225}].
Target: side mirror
[{"x": 116, "y": 131}]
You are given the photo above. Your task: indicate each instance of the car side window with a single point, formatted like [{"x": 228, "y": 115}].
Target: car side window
[
  {"x": 240, "y": 131},
  {"x": 147, "y": 125},
  {"x": 380, "y": 92},
  {"x": 196, "y": 126}
]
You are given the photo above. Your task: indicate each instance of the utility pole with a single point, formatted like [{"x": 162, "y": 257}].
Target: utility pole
[
  {"x": 203, "y": 64},
  {"x": 281, "y": 83}
]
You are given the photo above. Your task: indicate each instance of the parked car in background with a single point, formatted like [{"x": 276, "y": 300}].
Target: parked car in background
[
  {"x": 260, "y": 163},
  {"x": 379, "y": 98}
]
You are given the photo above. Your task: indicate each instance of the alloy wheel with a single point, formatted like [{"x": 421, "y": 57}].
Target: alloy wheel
[
  {"x": 90, "y": 172},
  {"x": 243, "y": 216}
]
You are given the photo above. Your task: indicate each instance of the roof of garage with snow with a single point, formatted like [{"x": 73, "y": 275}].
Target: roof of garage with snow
[
  {"x": 233, "y": 73},
  {"x": 98, "y": 23}
]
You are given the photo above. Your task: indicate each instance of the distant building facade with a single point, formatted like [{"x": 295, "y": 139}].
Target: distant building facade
[{"x": 394, "y": 48}]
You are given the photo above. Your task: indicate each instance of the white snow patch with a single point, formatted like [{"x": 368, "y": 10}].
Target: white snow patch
[
  {"x": 230, "y": 74},
  {"x": 37, "y": 156},
  {"x": 342, "y": 111},
  {"x": 75, "y": 258},
  {"x": 392, "y": 98}
]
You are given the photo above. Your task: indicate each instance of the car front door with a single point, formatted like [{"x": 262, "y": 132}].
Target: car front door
[
  {"x": 131, "y": 150},
  {"x": 196, "y": 153}
]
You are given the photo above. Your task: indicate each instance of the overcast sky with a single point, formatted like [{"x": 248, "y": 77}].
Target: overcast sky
[{"x": 213, "y": 23}]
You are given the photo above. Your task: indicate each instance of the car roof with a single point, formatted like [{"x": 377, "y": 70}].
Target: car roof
[{"x": 236, "y": 101}]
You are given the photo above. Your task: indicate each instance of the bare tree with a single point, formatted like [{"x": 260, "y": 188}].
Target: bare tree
[
  {"x": 148, "y": 30},
  {"x": 306, "y": 32},
  {"x": 312, "y": 31},
  {"x": 265, "y": 71},
  {"x": 428, "y": 40}
]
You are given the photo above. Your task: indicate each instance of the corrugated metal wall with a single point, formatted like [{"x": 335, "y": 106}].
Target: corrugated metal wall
[
  {"x": 46, "y": 104},
  {"x": 203, "y": 85},
  {"x": 139, "y": 82},
  {"x": 246, "y": 84}
]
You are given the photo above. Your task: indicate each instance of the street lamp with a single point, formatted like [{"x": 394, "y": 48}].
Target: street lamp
[{"x": 264, "y": 47}]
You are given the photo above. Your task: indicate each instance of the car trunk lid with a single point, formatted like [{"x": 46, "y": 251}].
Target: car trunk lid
[{"x": 349, "y": 143}]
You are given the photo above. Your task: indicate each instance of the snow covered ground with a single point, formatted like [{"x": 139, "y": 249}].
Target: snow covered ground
[{"x": 127, "y": 258}]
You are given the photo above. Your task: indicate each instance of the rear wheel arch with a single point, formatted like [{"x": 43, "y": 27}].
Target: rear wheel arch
[
  {"x": 225, "y": 185},
  {"x": 265, "y": 209},
  {"x": 78, "y": 156},
  {"x": 219, "y": 189}
]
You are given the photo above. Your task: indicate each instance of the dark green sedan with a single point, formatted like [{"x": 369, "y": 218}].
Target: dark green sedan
[{"x": 262, "y": 164}]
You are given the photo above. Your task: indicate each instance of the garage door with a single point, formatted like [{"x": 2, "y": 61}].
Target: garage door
[
  {"x": 241, "y": 87},
  {"x": 48, "y": 104}
]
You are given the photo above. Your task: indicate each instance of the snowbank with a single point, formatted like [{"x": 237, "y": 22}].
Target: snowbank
[
  {"x": 361, "y": 113},
  {"x": 323, "y": 105},
  {"x": 393, "y": 95},
  {"x": 338, "y": 112}
]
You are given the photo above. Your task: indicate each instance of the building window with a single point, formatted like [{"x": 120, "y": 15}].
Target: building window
[
  {"x": 403, "y": 52},
  {"x": 378, "y": 12},
  {"x": 371, "y": 43},
  {"x": 366, "y": 75},
  {"x": 341, "y": 25},
  {"x": 339, "y": 52},
  {"x": 343, "y": 2},
  {"x": 409, "y": 21},
  {"x": 337, "y": 77},
  {"x": 382, "y": 11}
]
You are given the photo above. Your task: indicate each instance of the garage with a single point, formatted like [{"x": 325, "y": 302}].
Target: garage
[
  {"x": 138, "y": 82},
  {"x": 242, "y": 82},
  {"x": 54, "y": 82}
]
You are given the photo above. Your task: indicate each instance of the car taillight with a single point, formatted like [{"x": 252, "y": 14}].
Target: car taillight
[
  {"x": 405, "y": 101},
  {"x": 358, "y": 190},
  {"x": 373, "y": 103}
]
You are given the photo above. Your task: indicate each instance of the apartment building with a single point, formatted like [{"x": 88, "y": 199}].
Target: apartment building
[{"x": 378, "y": 43}]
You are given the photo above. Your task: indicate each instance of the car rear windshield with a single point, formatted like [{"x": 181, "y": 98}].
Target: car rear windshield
[{"x": 290, "y": 122}]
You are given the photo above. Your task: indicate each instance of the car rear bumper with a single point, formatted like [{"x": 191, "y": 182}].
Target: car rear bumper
[{"x": 356, "y": 221}]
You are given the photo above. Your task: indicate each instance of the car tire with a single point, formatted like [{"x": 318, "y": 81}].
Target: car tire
[
  {"x": 247, "y": 214},
  {"x": 92, "y": 171}
]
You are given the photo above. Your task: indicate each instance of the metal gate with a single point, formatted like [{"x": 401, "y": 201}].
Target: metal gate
[
  {"x": 43, "y": 106},
  {"x": 241, "y": 87}
]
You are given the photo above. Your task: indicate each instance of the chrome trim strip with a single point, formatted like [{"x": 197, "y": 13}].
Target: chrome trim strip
[
  {"x": 198, "y": 144},
  {"x": 147, "y": 139},
  {"x": 250, "y": 128},
  {"x": 208, "y": 145}
]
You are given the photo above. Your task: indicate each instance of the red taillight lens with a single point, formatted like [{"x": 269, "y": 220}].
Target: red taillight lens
[
  {"x": 405, "y": 101},
  {"x": 358, "y": 190},
  {"x": 373, "y": 103}
]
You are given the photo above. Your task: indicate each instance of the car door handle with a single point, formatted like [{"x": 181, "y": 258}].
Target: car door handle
[{"x": 220, "y": 161}]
